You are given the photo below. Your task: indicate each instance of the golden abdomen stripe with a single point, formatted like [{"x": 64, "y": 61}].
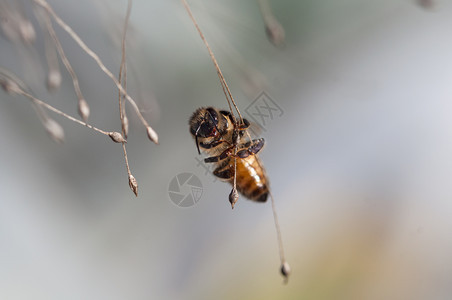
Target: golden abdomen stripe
[{"x": 251, "y": 179}]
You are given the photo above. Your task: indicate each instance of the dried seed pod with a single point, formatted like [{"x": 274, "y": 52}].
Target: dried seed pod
[
  {"x": 152, "y": 135},
  {"x": 233, "y": 197},
  {"x": 53, "y": 80},
  {"x": 285, "y": 270},
  {"x": 9, "y": 86},
  {"x": 125, "y": 125},
  {"x": 55, "y": 130},
  {"x": 116, "y": 137},
  {"x": 133, "y": 185},
  {"x": 275, "y": 32},
  {"x": 83, "y": 109},
  {"x": 27, "y": 32},
  {"x": 9, "y": 29},
  {"x": 427, "y": 4}
]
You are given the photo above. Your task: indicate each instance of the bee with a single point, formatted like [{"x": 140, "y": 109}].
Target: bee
[{"x": 219, "y": 136}]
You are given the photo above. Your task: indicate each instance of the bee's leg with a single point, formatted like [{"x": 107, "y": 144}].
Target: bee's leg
[
  {"x": 245, "y": 125},
  {"x": 226, "y": 153},
  {"x": 242, "y": 126},
  {"x": 252, "y": 147},
  {"x": 211, "y": 145},
  {"x": 223, "y": 172},
  {"x": 256, "y": 145}
]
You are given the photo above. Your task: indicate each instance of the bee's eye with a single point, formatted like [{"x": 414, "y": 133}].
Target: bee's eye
[
  {"x": 207, "y": 129},
  {"x": 212, "y": 115},
  {"x": 206, "y": 124}
]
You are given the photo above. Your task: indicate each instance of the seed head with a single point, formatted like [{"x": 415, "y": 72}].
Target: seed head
[
  {"x": 116, "y": 137},
  {"x": 133, "y": 185},
  {"x": 285, "y": 270},
  {"x": 55, "y": 130},
  {"x": 53, "y": 80},
  {"x": 152, "y": 135},
  {"x": 83, "y": 109},
  {"x": 233, "y": 197}
]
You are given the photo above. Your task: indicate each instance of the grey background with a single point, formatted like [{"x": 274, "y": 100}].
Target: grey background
[{"x": 359, "y": 163}]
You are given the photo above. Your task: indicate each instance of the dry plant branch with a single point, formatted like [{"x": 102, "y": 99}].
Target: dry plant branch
[
  {"x": 15, "y": 24},
  {"x": 123, "y": 70},
  {"x": 83, "y": 107},
  {"x": 285, "y": 268},
  {"x": 10, "y": 83},
  {"x": 226, "y": 90},
  {"x": 150, "y": 131},
  {"x": 123, "y": 113},
  {"x": 122, "y": 78},
  {"x": 13, "y": 86},
  {"x": 54, "y": 75}
]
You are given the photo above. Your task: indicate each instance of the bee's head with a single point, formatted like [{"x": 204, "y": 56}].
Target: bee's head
[{"x": 204, "y": 124}]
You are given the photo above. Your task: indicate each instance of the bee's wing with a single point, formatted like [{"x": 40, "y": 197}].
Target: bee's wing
[{"x": 255, "y": 130}]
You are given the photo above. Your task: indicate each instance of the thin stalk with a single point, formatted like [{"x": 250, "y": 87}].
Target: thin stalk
[
  {"x": 99, "y": 62},
  {"x": 226, "y": 90}
]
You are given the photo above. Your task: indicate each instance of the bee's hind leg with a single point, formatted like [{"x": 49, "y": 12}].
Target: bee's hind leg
[
  {"x": 223, "y": 172},
  {"x": 252, "y": 147}
]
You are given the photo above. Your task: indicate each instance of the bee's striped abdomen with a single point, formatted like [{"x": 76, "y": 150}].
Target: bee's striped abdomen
[{"x": 251, "y": 179}]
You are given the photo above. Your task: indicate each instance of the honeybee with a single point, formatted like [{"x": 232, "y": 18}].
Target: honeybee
[{"x": 216, "y": 133}]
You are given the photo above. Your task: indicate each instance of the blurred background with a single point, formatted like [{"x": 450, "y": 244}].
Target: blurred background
[{"x": 359, "y": 159}]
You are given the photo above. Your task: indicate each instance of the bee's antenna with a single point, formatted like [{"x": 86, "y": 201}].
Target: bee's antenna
[
  {"x": 196, "y": 138},
  {"x": 213, "y": 120}
]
